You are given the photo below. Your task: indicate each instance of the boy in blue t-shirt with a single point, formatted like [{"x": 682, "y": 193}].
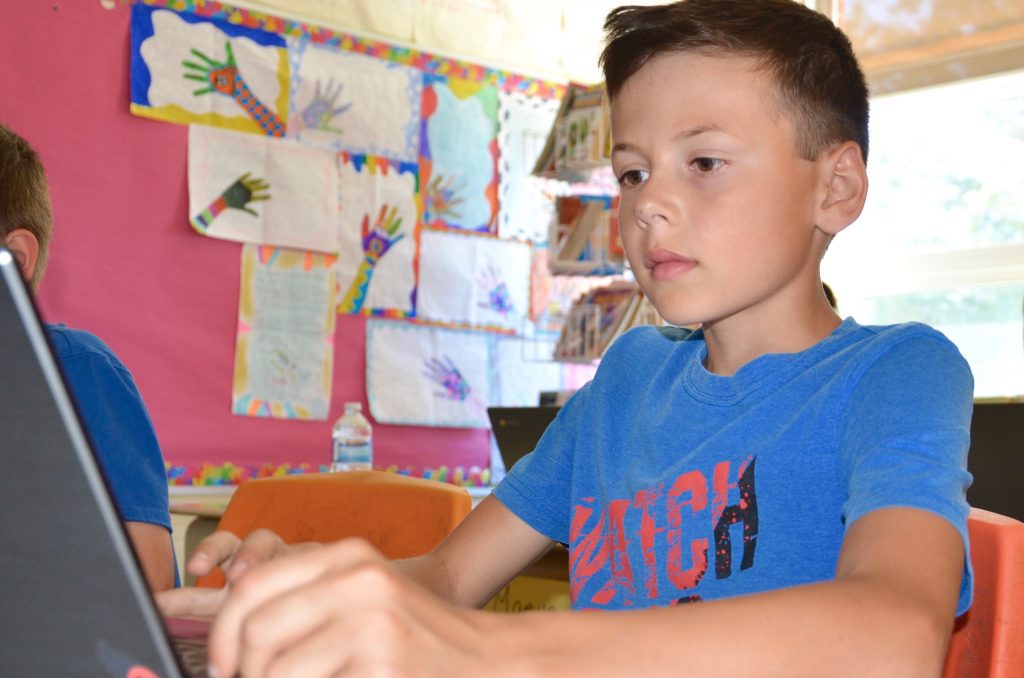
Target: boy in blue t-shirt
[
  {"x": 105, "y": 395},
  {"x": 781, "y": 492}
]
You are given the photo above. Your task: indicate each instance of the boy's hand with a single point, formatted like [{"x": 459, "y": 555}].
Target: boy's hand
[
  {"x": 234, "y": 556},
  {"x": 342, "y": 608},
  {"x": 190, "y": 601}
]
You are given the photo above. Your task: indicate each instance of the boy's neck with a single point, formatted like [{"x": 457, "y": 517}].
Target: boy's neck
[{"x": 734, "y": 342}]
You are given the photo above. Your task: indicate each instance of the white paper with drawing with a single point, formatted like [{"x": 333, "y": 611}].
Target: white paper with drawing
[
  {"x": 473, "y": 280},
  {"x": 426, "y": 375},
  {"x": 262, "y": 190},
  {"x": 285, "y": 344},
  {"x": 348, "y": 101},
  {"x": 377, "y": 220}
]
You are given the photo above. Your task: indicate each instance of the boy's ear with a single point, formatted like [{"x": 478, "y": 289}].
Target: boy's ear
[
  {"x": 23, "y": 245},
  {"x": 845, "y": 187}
]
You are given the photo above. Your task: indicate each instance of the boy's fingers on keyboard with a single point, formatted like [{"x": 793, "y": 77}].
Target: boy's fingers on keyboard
[
  {"x": 258, "y": 547},
  {"x": 289, "y": 579},
  {"x": 217, "y": 549},
  {"x": 190, "y": 601}
]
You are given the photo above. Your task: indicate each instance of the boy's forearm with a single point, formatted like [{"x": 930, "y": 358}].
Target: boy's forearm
[
  {"x": 850, "y": 627},
  {"x": 430, "y": 572},
  {"x": 152, "y": 546}
]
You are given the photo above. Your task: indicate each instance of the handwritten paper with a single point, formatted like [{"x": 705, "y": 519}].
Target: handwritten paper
[
  {"x": 294, "y": 204},
  {"x": 285, "y": 342},
  {"x": 426, "y": 376}
]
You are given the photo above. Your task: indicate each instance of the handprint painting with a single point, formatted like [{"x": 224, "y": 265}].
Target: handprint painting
[
  {"x": 428, "y": 376},
  {"x": 459, "y": 155},
  {"x": 378, "y": 218},
  {"x": 262, "y": 190},
  {"x": 352, "y": 102},
  {"x": 240, "y": 195},
  {"x": 444, "y": 372},
  {"x": 473, "y": 280},
  {"x": 189, "y": 69}
]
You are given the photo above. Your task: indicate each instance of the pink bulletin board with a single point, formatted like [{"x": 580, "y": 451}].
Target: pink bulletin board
[{"x": 126, "y": 265}]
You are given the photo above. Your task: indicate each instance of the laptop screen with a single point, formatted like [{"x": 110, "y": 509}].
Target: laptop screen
[
  {"x": 73, "y": 597},
  {"x": 517, "y": 430},
  {"x": 996, "y": 459}
]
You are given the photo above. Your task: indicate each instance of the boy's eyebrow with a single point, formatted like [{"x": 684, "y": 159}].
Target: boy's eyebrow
[
  {"x": 695, "y": 131},
  {"x": 687, "y": 133}
]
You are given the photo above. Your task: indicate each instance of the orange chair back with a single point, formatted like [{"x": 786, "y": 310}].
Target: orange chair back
[
  {"x": 988, "y": 640},
  {"x": 401, "y": 516}
]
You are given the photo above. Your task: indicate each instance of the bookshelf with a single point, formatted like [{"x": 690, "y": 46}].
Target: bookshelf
[
  {"x": 584, "y": 236},
  {"x": 580, "y": 140},
  {"x": 599, "y": 317},
  {"x": 584, "y": 231}
]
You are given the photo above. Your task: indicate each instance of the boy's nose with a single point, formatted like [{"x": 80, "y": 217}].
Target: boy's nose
[{"x": 652, "y": 206}]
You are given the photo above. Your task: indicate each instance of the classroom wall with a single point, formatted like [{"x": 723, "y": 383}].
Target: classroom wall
[{"x": 126, "y": 265}]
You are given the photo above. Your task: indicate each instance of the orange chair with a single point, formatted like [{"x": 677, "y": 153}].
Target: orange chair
[
  {"x": 401, "y": 516},
  {"x": 988, "y": 640}
]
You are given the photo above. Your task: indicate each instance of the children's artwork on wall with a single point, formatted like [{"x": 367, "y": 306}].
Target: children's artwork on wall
[
  {"x": 262, "y": 190},
  {"x": 284, "y": 348},
  {"x": 458, "y": 154},
  {"x": 354, "y": 102},
  {"x": 186, "y": 68},
  {"x": 426, "y": 376},
  {"x": 473, "y": 280},
  {"x": 378, "y": 219},
  {"x": 526, "y": 203}
]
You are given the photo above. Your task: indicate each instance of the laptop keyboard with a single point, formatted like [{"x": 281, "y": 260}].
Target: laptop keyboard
[{"x": 192, "y": 655}]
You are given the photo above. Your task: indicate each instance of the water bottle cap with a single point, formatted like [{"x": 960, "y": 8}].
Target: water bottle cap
[{"x": 353, "y": 407}]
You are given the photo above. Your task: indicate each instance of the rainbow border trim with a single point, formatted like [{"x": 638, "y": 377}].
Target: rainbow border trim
[
  {"x": 227, "y": 473},
  {"x": 425, "y": 61}
]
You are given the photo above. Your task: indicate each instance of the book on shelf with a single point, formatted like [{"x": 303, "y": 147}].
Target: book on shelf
[
  {"x": 599, "y": 317},
  {"x": 580, "y": 139},
  {"x": 582, "y": 238}
]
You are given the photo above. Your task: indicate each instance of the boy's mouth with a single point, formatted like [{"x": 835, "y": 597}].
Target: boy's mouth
[{"x": 665, "y": 264}]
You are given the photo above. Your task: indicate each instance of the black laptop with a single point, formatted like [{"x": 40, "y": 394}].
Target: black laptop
[
  {"x": 517, "y": 429},
  {"x": 73, "y": 597}
]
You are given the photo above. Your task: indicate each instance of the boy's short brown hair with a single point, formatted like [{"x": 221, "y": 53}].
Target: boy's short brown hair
[
  {"x": 24, "y": 195},
  {"x": 820, "y": 83}
]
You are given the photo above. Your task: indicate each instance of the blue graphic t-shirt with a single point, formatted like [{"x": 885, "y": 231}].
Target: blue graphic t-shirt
[{"x": 671, "y": 484}]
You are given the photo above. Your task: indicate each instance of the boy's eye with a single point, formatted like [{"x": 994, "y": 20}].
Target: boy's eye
[
  {"x": 705, "y": 165},
  {"x": 633, "y": 177}
]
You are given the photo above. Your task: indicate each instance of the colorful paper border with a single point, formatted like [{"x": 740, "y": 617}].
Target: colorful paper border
[
  {"x": 229, "y": 474},
  {"x": 425, "y": 61}
]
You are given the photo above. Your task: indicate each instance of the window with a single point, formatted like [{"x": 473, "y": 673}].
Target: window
[
  {"x": 941, "y": 239},
  {"x": 910, "y": 43}
]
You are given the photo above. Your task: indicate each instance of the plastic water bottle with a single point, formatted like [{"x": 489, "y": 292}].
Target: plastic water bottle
[{"x": 353, "y": 441}]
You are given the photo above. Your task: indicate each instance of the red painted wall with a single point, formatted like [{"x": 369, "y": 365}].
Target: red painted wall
[{"x": 126, "y": 265}]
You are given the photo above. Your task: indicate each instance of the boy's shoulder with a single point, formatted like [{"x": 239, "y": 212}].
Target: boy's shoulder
[
  {"x": 649, "y": 345},
  {"x": 68, "y": 342},
  {"x": 883, "y": 336},
  {"x": 888, "y": 357}
]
